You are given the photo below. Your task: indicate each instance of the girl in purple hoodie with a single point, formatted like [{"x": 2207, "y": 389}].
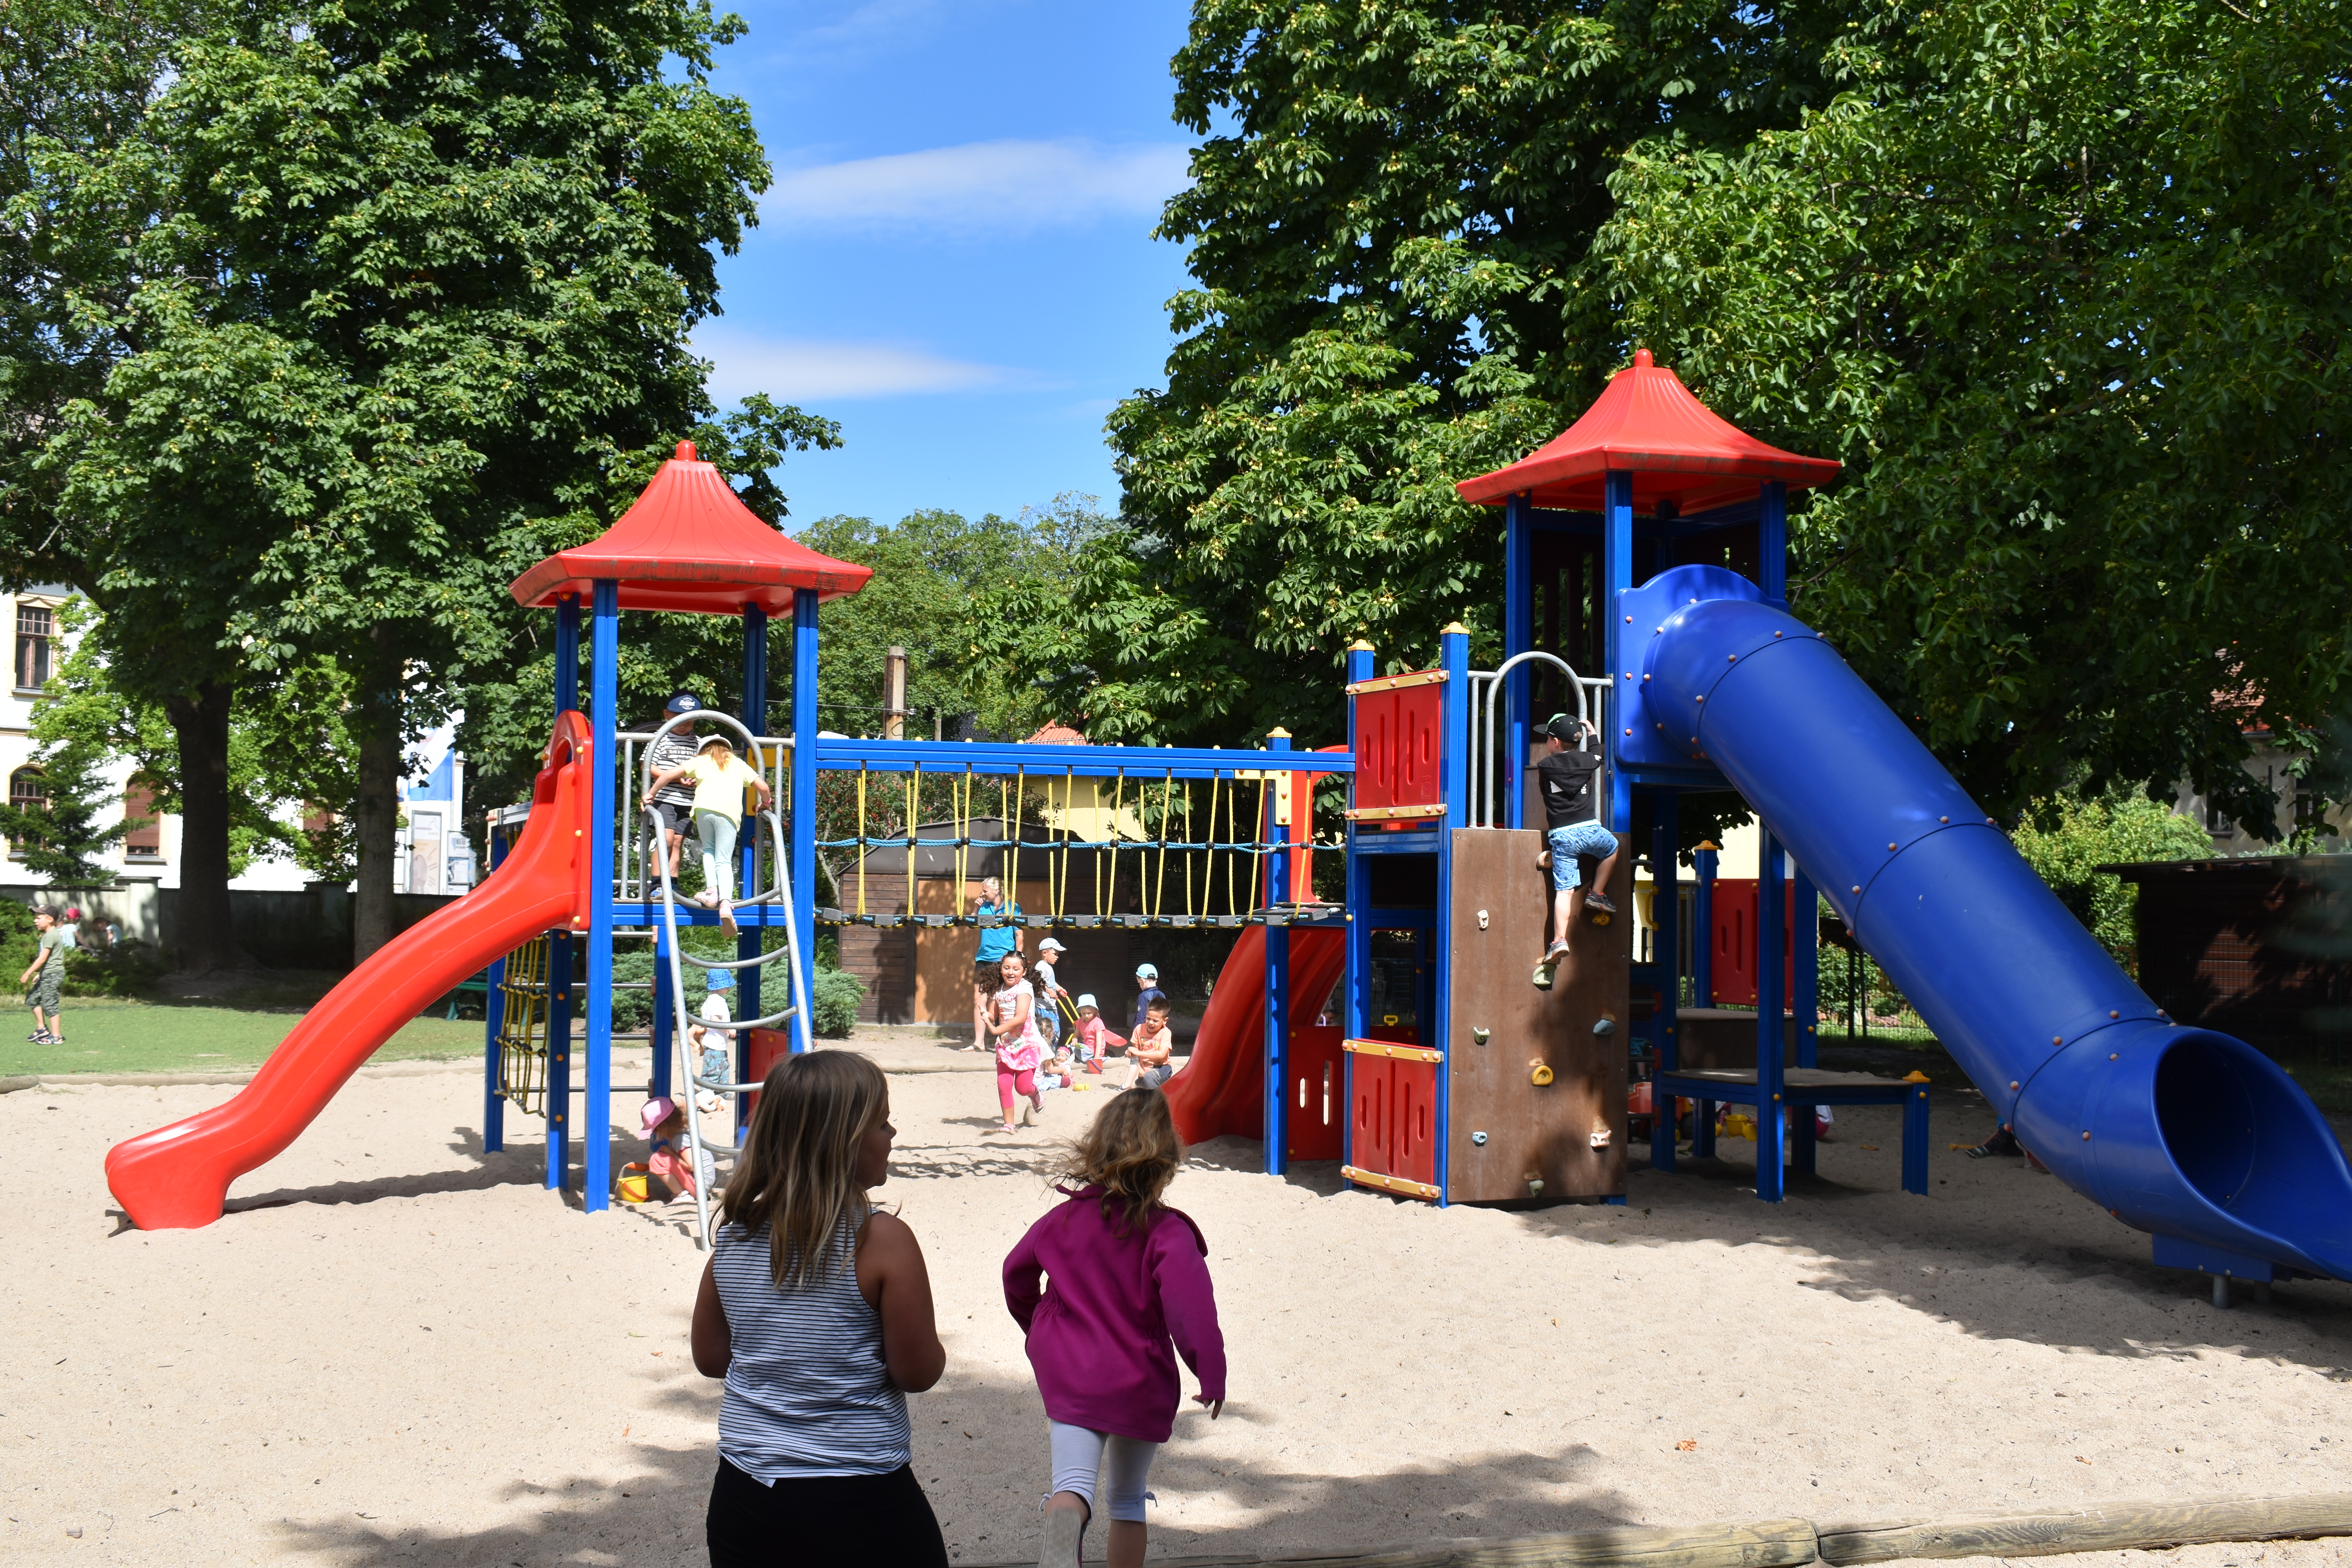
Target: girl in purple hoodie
[{"x": 1128, "y": 1274}]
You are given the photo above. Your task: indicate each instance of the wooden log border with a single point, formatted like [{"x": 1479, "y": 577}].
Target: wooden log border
[{"x": 1794, "y": 1542}]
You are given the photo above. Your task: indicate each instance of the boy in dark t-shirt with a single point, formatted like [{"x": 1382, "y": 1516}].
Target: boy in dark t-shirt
[{"x": 1570, "y": 781}]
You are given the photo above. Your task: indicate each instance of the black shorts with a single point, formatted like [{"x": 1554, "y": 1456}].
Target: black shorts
[
  {"x": 677, "y": 815},
  {"x": 884, "y": 1521},
  {"x": 988, "y": 974}
]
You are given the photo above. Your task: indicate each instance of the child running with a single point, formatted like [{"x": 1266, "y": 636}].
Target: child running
[
  {"x": 1012, "y": 1018},
  {"x": 1126, "y": 1275},
  {"x": 816, "y": 1308}
]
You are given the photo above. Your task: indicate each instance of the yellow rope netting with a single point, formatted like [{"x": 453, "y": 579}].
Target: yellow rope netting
[{"x": 522, "y": 1028}]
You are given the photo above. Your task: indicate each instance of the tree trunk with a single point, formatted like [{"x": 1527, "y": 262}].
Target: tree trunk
[
  {"x": 375, "y": 824},
  {"x": 205, "y": 939}
]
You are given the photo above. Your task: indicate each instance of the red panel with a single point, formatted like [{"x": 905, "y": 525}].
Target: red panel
[
  {"x": 1735, "y": 940},
  {"x": 1396, "y": 746},
  {"x": 1395, "y": 1114},
  {"x": 1317, "y": 1094},
  {"x": 767, "y": 1047}
]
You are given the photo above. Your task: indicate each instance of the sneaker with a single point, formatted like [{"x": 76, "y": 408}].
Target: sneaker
[
  {"x": 1066, "y": 1529},
  {"x": 37, "y": 1037},
  {"x": 1600, "y": 901}
]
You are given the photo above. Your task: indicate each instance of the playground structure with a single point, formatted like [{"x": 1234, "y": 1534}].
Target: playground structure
[{"x": 1448, "y": 1076}]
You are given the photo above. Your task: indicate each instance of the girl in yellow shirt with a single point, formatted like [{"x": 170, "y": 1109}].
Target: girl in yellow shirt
[{"x": 720, "y": 778}]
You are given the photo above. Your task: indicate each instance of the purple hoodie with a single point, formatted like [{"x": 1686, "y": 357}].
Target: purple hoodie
[{"x": 1098, "y": 1337}]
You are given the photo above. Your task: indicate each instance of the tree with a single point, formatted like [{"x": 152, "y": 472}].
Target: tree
[
  {"x": 2062, "y": 285},
  {"x": 1390, "y": 244},
  {"x": 2067, "y": 838},
  {"x": 381, "y": 293}
]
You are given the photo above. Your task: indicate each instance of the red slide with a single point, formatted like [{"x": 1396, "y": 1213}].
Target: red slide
[
  {"x": 177, "y": 1177},
  {"x": 1222, "y": 1089}
]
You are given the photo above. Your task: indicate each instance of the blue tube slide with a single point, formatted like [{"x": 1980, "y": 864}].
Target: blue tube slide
[{"x": 2188, "y": 1135}]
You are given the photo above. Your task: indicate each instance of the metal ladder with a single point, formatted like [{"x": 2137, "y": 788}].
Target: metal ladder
[{"x": 778, "y": 894}]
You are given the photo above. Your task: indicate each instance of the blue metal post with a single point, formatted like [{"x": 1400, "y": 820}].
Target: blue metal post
[
  {"x": 754, "y": 714},
  {"x": 1772, "y": 543},
  {"x": 493, "y": 1104},
  {"x": 1277, "y": 977},
  {"x": 1703, "y": 861},
  {"x": 1666, "y": 924},
  {"x": 1519, "y": 637},
  {"x": 1804, "y": 1001},
  {"x": 804, "y": 782},
  {"x": 663, "y": 1039},
  {"x": 1358, "y": 978},
  {"x": 559, "y": 942},
  {"x": 1617, "y": 572},
  {"x": 603, "y": 698},
  {"x": 1771, "y": 945},
  {"x": 1453, "y": 785}
]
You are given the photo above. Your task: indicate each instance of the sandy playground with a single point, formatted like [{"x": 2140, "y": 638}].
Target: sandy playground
[{"x": 393, "y": 1350}]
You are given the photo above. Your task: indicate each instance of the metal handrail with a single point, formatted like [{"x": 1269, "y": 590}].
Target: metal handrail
[{"x": 1482, "y": 780}]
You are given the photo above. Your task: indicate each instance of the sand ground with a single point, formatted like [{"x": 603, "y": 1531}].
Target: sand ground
[{"x": 395, "y": 1350}]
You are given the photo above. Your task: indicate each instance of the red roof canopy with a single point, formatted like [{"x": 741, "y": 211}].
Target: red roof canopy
[
  {"x": 1647, "y": 422},
  {"x": 689, "y": 545}
]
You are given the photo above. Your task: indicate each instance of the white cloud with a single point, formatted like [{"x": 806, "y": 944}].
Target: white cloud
[
  {"x": 1000, "y": 186},
  {"x": 809, "y": 369}
]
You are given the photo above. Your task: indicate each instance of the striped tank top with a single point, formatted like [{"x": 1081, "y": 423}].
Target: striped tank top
[{"x": 807, "y": 1390}]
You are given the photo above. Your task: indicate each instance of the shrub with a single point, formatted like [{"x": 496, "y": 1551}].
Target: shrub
[
  {"x": 838, "y": 992},
  {"x": 2063, "y": 838}
]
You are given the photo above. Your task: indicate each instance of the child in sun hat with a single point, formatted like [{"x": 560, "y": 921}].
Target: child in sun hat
[{"x": 1094, "y": 1041}]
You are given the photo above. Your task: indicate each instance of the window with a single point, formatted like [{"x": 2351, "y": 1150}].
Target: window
[
  {"x": 145, "y": 839},
  {"x": 28, "y": 790},
  {"x": 34, "y": 630}
]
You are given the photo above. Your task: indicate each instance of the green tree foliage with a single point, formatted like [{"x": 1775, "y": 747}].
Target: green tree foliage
[
  {"x": 2066, "y": 837},
  {"x": 1389, "y": 229},
  {"x": 60, "y": 839},
  {"x": 364, "y": 306},
  {"x": 2063, "y": 285}
]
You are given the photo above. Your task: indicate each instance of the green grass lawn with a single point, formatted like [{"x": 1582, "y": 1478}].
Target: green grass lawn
[{"x": 111, "y": 1037}]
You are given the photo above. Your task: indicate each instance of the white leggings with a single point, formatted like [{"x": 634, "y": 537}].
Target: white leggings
[{"x": 1080, "y": 1454}]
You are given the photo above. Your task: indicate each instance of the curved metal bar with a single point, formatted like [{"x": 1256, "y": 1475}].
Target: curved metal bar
[{"x": 1484, "y": 781}]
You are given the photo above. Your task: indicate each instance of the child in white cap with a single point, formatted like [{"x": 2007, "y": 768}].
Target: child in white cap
[
  {"x": 1147, "y": 992},
  {"x": 1050, "y": 995},
  {"x": 1093, "y": 1040}
]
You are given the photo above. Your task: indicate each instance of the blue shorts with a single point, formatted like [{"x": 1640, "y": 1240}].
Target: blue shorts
[{"x": 1568, "y": 843}]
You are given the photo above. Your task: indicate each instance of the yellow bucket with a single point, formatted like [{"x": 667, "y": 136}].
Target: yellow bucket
[{"x": 632, "y": 1185}]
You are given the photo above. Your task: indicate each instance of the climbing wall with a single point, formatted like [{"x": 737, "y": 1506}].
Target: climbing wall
[{"x": 1567, "y": 1132}]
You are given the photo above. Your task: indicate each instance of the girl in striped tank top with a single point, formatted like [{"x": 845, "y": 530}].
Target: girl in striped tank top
[{"x": 816, "y": 1308}]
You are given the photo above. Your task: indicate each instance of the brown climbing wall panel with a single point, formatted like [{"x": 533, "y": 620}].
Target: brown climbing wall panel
[{"x": 1542, "y": 1129}]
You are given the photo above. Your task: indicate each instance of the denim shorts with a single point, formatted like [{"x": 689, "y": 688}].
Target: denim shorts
[{"x": 1568, "y": 843}]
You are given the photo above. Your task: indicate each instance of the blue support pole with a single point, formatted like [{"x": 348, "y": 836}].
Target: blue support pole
[
  {"x": 1703, "y": 861},
  {"x": 1453, "y": 783},
  {"x": 1617, "y": 572},
  {"x": 1772, "y": 544},
  {"x": 1771, "y": 1038},
  {"x": 1804, "y": 1001},
  {"x": 494, "y": 1103},
  {"x": 559, "y": 942},
  {"x": 604, "y": 700},
  {"x": 1519, "y": 637},
  {"x": 1665, "y": 937},
  {"x": 746, "y": 871},
  {"x": 664, "y": 1031},
  {"x": 1277, "y": 980},
  {"x": 1353, "y": 984},
  {"x": 804, "y": 781}
]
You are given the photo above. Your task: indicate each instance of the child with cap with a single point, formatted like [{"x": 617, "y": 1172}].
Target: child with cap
[
  {"x": 1050, "y": 995},
  {"x": 672, "y": 1157},
  {"x": 713, "y": 1047},
  {"x": 1147, "y": 989},
  {"x": 721, "y": 779},
  {"x": 674, "y": 801},
  {"x": 1094, "y": 1041},
  {"x": 1569, "y": 781}
]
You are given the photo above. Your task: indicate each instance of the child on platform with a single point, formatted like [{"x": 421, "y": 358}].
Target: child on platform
[
  {"x": 1125, "y": 1275},
  {"x": 721, "y": 779}
]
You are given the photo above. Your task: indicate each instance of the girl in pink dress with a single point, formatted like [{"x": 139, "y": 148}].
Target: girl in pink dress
[
  {"x": 1013, "y": 1020},
  {"x": 1128, "y": 1291}
]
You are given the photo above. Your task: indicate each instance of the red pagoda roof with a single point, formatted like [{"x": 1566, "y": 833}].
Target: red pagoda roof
[
  {"x": 1646, "y": 422},
  {"x": 688, "y": 544}
]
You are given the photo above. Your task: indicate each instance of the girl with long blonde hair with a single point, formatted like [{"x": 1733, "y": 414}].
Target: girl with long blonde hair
[
  {"x": 1126, "y": 1278},
  {"x": 816, "y": 1308}
]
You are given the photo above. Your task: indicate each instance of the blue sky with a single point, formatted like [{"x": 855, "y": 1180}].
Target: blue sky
[{"x": 955, "y": 259}]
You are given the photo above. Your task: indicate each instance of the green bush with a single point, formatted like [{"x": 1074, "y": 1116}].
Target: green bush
[
  {"x": 2063, "y": 838},
  {"x": 838, "y": 992}
]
